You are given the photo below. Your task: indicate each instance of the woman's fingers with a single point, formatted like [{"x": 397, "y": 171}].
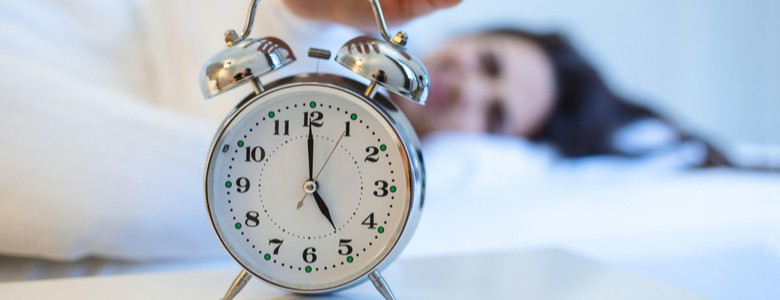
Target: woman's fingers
[
  {"x": 399, "y": 11},
  {"x": 358, "y": 13}
]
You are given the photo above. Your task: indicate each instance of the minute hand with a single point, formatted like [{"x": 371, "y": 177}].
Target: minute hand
[
  {"x": 300, "y": 203},
  {"x": 311, "y": 153}
]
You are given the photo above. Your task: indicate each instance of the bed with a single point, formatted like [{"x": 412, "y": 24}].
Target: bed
[{"x": 715, "y": 232}]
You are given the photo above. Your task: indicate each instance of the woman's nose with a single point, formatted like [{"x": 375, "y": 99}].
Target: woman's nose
[{"x": 471, "y": 91}]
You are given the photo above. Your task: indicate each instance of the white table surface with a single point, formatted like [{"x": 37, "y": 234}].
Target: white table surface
[{"x": 537, "y": 274}]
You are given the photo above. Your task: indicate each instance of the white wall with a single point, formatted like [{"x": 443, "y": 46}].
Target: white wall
[{"x": 712, "y": 65}]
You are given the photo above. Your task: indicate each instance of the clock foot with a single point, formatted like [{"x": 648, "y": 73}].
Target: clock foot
[
  {"x": 237, "y": 285},
  {"x": 381, "y": 285}
]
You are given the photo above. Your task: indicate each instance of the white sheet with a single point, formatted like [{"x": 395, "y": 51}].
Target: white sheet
[
  {"x": 605, "y": 207},
  {"x": 714, "y": 232},
  {"x": 720, "y": 227}
]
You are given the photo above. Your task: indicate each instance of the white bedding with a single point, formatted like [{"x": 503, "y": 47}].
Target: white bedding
[
  {"x": 714, "y": 232},
  {"x": 711, "y": 231},
  {"x": 611, "y": 208}
]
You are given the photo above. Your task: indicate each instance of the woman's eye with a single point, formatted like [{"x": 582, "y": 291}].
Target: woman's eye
[
  {"x": 496, "y": 117},
  {"x": 489, "y": 64}
]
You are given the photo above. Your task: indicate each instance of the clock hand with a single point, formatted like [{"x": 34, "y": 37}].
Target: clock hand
[
  {"x": 329, "y": 155},
  {"x": 300, "y": 203},
  {"x": 311, "y": 153},
  {"x": 317, "y": 198},
  {"x": 310, "y": 147},
  {"x": 323, "y": 208}
]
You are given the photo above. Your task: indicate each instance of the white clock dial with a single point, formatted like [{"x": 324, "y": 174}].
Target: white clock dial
[{"x": 302, "y": 231}]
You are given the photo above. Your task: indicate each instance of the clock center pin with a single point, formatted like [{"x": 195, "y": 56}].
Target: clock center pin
[{"x": 309, "y": 186}]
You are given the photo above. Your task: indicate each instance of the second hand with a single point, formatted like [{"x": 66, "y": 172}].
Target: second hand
[{"x": 300, "y": 203}]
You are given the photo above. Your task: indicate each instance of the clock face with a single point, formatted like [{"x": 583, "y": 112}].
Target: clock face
[{"x": 309, "y": 187}]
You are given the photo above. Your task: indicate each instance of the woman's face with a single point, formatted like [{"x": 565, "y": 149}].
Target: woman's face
[{"x": 488, "y": 83}]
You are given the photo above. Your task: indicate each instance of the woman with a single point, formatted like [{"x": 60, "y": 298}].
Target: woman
[
  {"x": 536, "y": 86},
  {"x": 514, "y": 82}
]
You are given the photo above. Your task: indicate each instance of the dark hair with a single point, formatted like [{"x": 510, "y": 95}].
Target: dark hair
[{"x": 588, "y": 114}]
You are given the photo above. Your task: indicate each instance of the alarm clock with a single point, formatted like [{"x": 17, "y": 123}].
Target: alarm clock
[{"x": 315, "y": 182}]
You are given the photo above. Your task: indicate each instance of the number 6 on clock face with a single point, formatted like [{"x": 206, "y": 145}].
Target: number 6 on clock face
[{"x": 313, "y": 186}]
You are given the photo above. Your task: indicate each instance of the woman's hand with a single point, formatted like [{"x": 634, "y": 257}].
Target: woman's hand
[{"x": 358, "y": 13}]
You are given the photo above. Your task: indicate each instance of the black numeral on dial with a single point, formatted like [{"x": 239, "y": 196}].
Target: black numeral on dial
[
  {"x": 309, "y": 255},
  {"x": 381, "y": 188},
  {"x": 252, "y": 219},
  {"x": 315, "y": 118},
  {"x": 369, "y": 221},
  {"x": 344, "y": 247},
  {"x": 373, "y": 153},
  {"x": 243, "y": 185},
  {"x": 278, "y": 243},
  {"x": 285, "y": 130},
  {"x": 255, "y": 154}
]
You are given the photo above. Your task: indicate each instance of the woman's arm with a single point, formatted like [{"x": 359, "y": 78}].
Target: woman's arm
[
  {"x": 358, "y": 13},
  {"x": 88, "y": 171}
]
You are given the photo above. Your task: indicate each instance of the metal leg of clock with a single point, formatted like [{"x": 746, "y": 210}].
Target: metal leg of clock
[
  {"x": 237, "y": 285},
  {"x": 381, "y": 285}
]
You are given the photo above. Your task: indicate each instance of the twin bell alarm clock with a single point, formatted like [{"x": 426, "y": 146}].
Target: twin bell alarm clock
[{"x": 314, "y": 183}]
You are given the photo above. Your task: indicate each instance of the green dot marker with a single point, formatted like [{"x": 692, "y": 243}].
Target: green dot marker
[
  {"x": 308, "y": 268},
  {"x": 383, "y": 147},
  {"x": 238, "y": 225},
  {"x": 271, "y": 114},
  {"x": 240, "y": 143},
  {"x": 267, "y": 256},
  {"x": 312, "y": 104},
  {"x": 381, "y": 229},
  {"x": 228, "y": 184},
  {"x": 353, "y": 117},
  {"x": 393, "y": 189},
  {"x": 350, "y": 259}
]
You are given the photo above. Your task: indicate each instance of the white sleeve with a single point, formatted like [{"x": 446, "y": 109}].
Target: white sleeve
[
  {"x": 86, "y": 171},
  {"x": 88, "y": 166},
  {"x": 181, "y": 35},
  {"x": 103, "y": 131}
]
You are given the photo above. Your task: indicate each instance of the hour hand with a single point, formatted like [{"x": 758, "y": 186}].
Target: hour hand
[{"x": 323, "y": 208}]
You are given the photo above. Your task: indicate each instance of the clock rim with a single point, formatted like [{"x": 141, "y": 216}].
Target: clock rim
[{"x": 402, "y": 129}]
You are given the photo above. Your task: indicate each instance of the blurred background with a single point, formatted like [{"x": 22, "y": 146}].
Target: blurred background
[{"x": 712, "y": 66}]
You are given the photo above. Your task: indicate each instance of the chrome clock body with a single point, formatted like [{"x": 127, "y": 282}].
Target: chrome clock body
[
  {"x": 404, "y": 139},
  {"x": 353, "y": 221}
]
